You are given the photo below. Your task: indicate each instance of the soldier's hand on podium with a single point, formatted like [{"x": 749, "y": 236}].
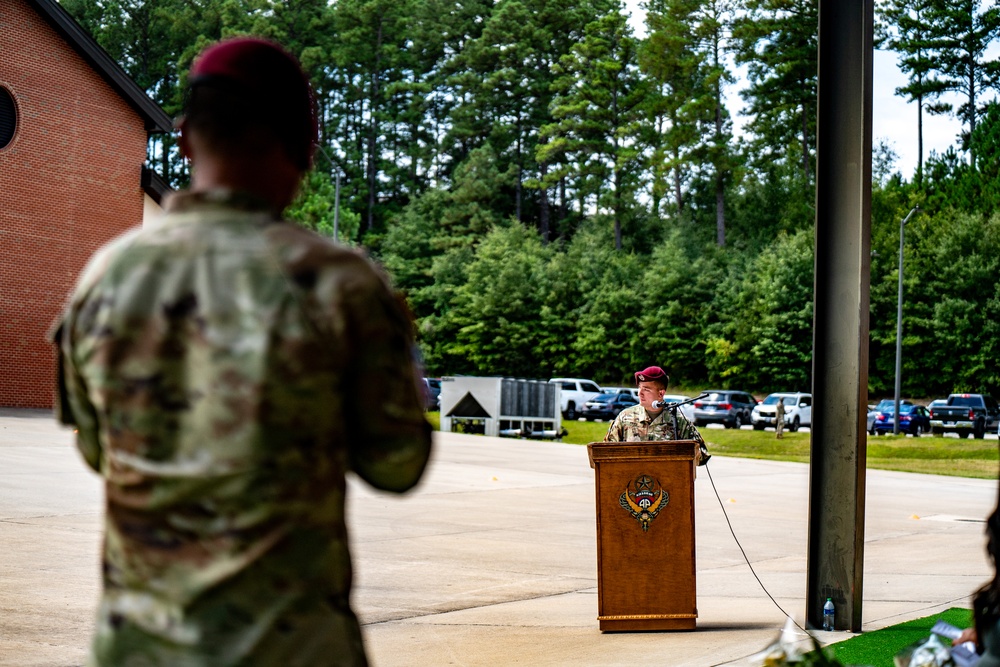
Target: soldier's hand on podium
[{"x": 703, "y": 455}]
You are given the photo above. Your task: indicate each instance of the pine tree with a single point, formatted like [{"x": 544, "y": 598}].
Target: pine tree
[
  {"x": 670, "y": 58},
  {"x": 962, "y": 31},
  {"x": 903, "y": 27},
  {"x": 778, "y": 41},
  {"x": 684, "y": 56},
  {"x": 599, "y": 116}
]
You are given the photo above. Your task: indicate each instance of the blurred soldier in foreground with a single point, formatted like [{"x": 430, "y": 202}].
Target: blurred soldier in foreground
[
  {"x": 647, "y": 421},
  {"x": 224, "y": 370}
]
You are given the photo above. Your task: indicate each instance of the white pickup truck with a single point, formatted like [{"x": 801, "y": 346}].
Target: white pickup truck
[{"x": 574, "y": 393}]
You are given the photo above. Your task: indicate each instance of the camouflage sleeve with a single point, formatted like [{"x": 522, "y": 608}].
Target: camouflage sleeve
[
  {"x": 614, "y": 431},
  {"x": 72, "y": 405},
  {"x": 389, "y": 436}
]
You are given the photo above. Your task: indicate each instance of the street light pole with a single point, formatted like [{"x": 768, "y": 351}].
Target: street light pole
[
  {"x": 336, "y": 196},
  {"x": 899, "y": 323},
  {"x": 336, "y": 210}
]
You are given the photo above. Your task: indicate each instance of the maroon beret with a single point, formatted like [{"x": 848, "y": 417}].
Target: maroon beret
[
  {"x": 652, "y": 374},
  {"x": 270, "y": 77}
]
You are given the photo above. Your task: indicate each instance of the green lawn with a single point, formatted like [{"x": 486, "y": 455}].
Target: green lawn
[
  {"x": 927, "y": 454},
  {"x": 878, "y": 648}
]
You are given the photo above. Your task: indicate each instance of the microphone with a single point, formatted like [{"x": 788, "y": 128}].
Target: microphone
[{"x": 657, "y": 405}]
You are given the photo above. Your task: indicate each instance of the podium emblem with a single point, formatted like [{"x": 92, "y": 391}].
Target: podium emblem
[{"x": 643, "y": 498}]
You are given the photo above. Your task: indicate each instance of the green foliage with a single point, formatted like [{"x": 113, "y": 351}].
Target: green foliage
[
  {"x": 680, "y": 283},
  {"x": 956, "y": 183},
  {"x": 315, "y": 208},
  {"x": 769, "y": 346},
  {"x": 684, "y": 58},
  {"x": 778, "y": 40},
  {"x": 439, "y": 221},
  {"x": 556, "y": 196},
  {"x": 598, "y": 116},
  {"x": 950, "y": 306},
  {"x": 903, "y": 27},
  {"x": 958, "y": 259},
  {"x": 608, "y": 316},
  {"x": 496, "y": 308},
  {"x": 960, "y": 36}
]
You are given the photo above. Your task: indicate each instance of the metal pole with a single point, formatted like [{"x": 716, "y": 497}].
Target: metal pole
[
  {"x": 899, "y": 323},
  {"x": 835, "y": 568},
  {"x": 336, "y": 210}
]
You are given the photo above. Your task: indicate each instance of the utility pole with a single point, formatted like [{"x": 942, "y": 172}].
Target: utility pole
[
  {"x": 899, "y": 323},
  {"x": 336, "y": 210},
  {"x": 336, "y": 196}
]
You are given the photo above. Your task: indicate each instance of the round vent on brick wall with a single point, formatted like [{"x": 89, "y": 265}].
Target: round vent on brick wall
[{"x": 8, "y": 117}]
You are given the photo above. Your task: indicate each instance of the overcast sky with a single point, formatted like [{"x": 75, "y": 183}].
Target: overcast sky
[{"x": 893, "y": 119}]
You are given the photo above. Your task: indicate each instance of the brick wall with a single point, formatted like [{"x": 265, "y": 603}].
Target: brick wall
[{"x": 69, "y": 182}]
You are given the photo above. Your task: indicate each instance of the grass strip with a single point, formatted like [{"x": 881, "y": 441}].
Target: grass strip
[
  {"x": 878, "y": 647},
  {"x": 932, "y": 455}
]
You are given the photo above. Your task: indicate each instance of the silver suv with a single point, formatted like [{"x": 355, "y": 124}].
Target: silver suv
[
  {"x": 726, "y": 407},
  {"x": 798, "y": 411}
]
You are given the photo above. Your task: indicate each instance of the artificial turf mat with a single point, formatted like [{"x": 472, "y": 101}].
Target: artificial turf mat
[{"x": 877, "y": 648}]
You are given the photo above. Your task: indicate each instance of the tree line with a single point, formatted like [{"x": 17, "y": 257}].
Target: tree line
[{"x": 558, "y": 196}]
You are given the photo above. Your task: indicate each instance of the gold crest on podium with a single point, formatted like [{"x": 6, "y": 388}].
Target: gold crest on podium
[{"x": 643, "y": 499}]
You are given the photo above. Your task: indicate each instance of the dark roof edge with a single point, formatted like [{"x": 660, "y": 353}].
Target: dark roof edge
[
  {"x": 154, "y": 185},
  {"x": 156, "y": 119}
]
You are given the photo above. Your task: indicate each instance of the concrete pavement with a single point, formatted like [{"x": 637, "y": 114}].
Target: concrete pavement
[{"x": 492, "y": 559}]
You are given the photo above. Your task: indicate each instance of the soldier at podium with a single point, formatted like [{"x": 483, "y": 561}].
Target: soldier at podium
[{"x": 646, "y": 422}]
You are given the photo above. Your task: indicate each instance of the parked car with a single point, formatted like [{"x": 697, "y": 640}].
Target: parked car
[
  {"x": 432, "y": 393},
  {"x": 618, "y": 390},
  {"x": 872, "y": 414},
  {"x": 884, "y": 404},
  {"x": 574, "y": 393},
  {"x": 913, "y": 419},
  {"x": 798, "y": 411},
  {"x": 607, "y": 406},
  {"x": 724, "y": 406},
  {"x": 965, "y": 414},
  {"x": 686, "y": 410}
]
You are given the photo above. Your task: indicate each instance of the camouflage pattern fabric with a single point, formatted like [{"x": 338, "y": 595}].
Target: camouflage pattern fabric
[
  {"x": 634, "y": 424},
  {"x": 224, "y": 370}
]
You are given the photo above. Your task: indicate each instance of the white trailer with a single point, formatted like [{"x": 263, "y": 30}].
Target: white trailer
[{"x": 500, "y": 407}]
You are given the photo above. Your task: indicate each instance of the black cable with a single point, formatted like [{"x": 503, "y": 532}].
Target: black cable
[{"x": 729, "y": 523}]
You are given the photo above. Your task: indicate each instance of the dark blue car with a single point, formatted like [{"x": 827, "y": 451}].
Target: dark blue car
[
  {"x": 607, "y": 406},
  {"x": 913, "y": 419}
]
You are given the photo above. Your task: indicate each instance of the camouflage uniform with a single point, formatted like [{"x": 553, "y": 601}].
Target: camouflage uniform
[
  {"x": 634, "y": 424},
  {"x": 779, "y": 418},
  {"x": 224, "y": 370}
]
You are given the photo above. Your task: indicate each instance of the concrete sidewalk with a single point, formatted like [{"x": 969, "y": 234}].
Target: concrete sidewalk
[{"x": 492, "y": 560}]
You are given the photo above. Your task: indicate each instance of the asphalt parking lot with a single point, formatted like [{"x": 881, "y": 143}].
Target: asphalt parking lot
[{"x": 492, "y": 559}]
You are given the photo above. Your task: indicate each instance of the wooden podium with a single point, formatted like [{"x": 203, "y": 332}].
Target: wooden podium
[{"x": 645, "y": 534}]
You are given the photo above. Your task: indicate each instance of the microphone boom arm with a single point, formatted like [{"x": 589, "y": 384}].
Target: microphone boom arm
[{"x": 673, "y": 407}]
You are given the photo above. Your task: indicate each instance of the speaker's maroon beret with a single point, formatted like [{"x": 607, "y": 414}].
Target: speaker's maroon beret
[
  {"x": 269, "y": 77},
  {"x": 652, "y": 374}
]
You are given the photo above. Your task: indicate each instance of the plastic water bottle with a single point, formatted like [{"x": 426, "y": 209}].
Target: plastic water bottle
[{"x": 828, "y": 612}]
